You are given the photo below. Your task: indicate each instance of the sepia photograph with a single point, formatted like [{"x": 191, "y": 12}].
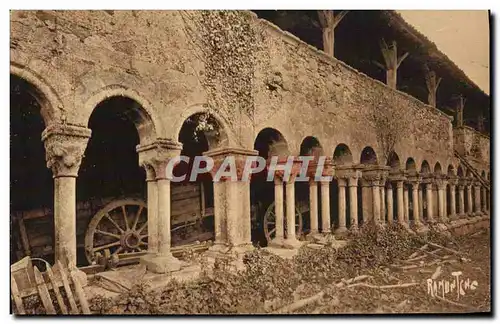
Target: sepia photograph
[{"x": 250, "y": 162}]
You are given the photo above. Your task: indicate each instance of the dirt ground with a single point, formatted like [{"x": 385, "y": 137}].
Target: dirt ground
[
  {"x": 379, "y": 271},
  {"x": 474, "y": 265}
]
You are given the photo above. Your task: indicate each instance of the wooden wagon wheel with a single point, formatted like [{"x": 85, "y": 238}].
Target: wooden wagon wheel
[
  {"x": 120, "y": 227},
  {"x": 269, "y": 226}
]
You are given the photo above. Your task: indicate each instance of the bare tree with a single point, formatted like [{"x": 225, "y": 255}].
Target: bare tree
[
  {"x": 329, "y": 21},
  {"x": 391, "y": 62}
]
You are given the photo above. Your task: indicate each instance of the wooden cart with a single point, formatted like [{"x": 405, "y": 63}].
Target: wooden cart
[{"x": 114, "y": 231}]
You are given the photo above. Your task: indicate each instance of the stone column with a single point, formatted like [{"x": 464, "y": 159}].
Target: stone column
[
  {"x": 291, "y": 238},
  {"x": 390, "y": 204},
  {"x": 430, "y": 203},
  {"x": 313, "y": 203},
  {"x": 231, "y": 201},
  {"x": 420, "y": 204},
  {"x": 400, "y": 202},
  {"x": 64, "y": 148},
  {"x": 342, "y": 206},
  {"x": 477, "y": 203},
  {"x": 279, "y": 214},
  {"x": 406, "y": 204},
  {"x": 154, "y": 157},
  {"x": 461, "y": 200},
  {"x": 376, "y": 201},
  {"x": 367, "y": 199},
  {"x": 382, "y": 202},
  {"x": 325, "y": 207},
  {"x": 453, "y": 182},
  {"x": 483, "y": 200},
  {"x": 414, "y": 179},
  {"x": 441, "y": 183},
  {"x": 353, "y": 202},
  {"x": 152, "y": 196},
  {"x": 469, "y": 197}
]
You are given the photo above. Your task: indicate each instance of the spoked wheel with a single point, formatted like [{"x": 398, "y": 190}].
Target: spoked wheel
[
  {"x": 269, "y": 222},
  {"x": 118, "y": 228}
]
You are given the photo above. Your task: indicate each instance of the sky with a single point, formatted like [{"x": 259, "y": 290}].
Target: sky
[{"x": 463, "y": 35}]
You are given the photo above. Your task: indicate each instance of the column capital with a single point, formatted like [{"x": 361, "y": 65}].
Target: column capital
[
  {"x": 375, "y": 174},
  {"x": 441, "y": 181},
  {"x": 155, "y": 156},
  {"x": 239, "y": 154},
  {"x": 397, "y": 175},
  {"x": 282, "y": 160},
  {"x": 64, "y": 148},
  {"x": 348, "y": 171},
  {"x": 414, "y": 178},
  {"x": 453, "y": 180}
]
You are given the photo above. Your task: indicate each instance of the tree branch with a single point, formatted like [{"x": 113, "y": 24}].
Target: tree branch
[
  {"x": 339, "y": 17},
  {"x": 402, "y": 57}
]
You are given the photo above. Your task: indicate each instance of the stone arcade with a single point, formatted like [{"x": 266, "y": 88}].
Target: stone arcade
[{"x": 271, "y": 86}]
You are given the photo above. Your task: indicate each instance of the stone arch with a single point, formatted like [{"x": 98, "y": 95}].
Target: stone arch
[
  {"x": 342, "y": 154},
  {"x": 200, "y": 109},
  {"x": 410, "y": 164},
  {"x": 393, "y": 161},
  {"x": 368, "y": 156},
  {"x": 425, "y": 168},
  {"x": 451, "y": 170},
  {"x": 483, "y": 174},
  {"x": 270, "y": 142},
  {"x": 311, "y": 146},
  {"x": 141, "y": 113},
  {"x": 437, "y": 168},
  {"x": 50, "y": 103},
  {"x": 206, "y": 124}
]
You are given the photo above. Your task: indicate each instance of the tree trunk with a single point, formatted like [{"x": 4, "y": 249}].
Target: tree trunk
[
  {"x": 328, "y": 41},
  {"x": 392, "y": 78}
]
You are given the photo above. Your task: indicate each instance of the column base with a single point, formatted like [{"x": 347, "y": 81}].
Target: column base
[
  {"x": 292, "y": 243},
  {"x": 341, "y": 230},
  {"x": 161, "y": 263},
  {"x": 310, "y": 236},
  {"x": 354, "y": 229}
]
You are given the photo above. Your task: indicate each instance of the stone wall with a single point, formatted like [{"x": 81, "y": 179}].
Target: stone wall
[
  {"x": 474, "y": 146},
  {"x": 250, "y": 75}
]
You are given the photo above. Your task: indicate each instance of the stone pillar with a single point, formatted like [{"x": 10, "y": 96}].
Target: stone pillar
[
  {"x": 390, "y": 204},
  {"x": 279, "y": 214},
  {"x": 342, "y": 206},
  {"x": 469, "y": 197},
  {"x": 231, "y": 201},
  {"x": 461, "y": 200},
  {"x": 406, "y": 204},
  {"x": 353, "y": 201},
  {"x": 400, "y": 202},
  {"x": 453, "y": 182},
  {"x": 367, "y": 199},
  {"x": 414, "y": 180},
  {"x": 376, "y": 201},
  {"x": 152, "y": 196},
  {"x": 420, "y": 204},
  {"x": 441, "y": 183},
  {"x": 477, "y": 196},
  {"x": 382, "y": 203},
  {"x": 64, "y": 148},
  {"x": 291, "y": 238},
  {"x": 325, "y": 207},
  {"x": 429, "y": 195},
  {"x": 483, "y": 200},
  {"x": 325, "y": 197},
  {"x": 313, "y": 203},
  {"x": 154, "y": 157}
]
